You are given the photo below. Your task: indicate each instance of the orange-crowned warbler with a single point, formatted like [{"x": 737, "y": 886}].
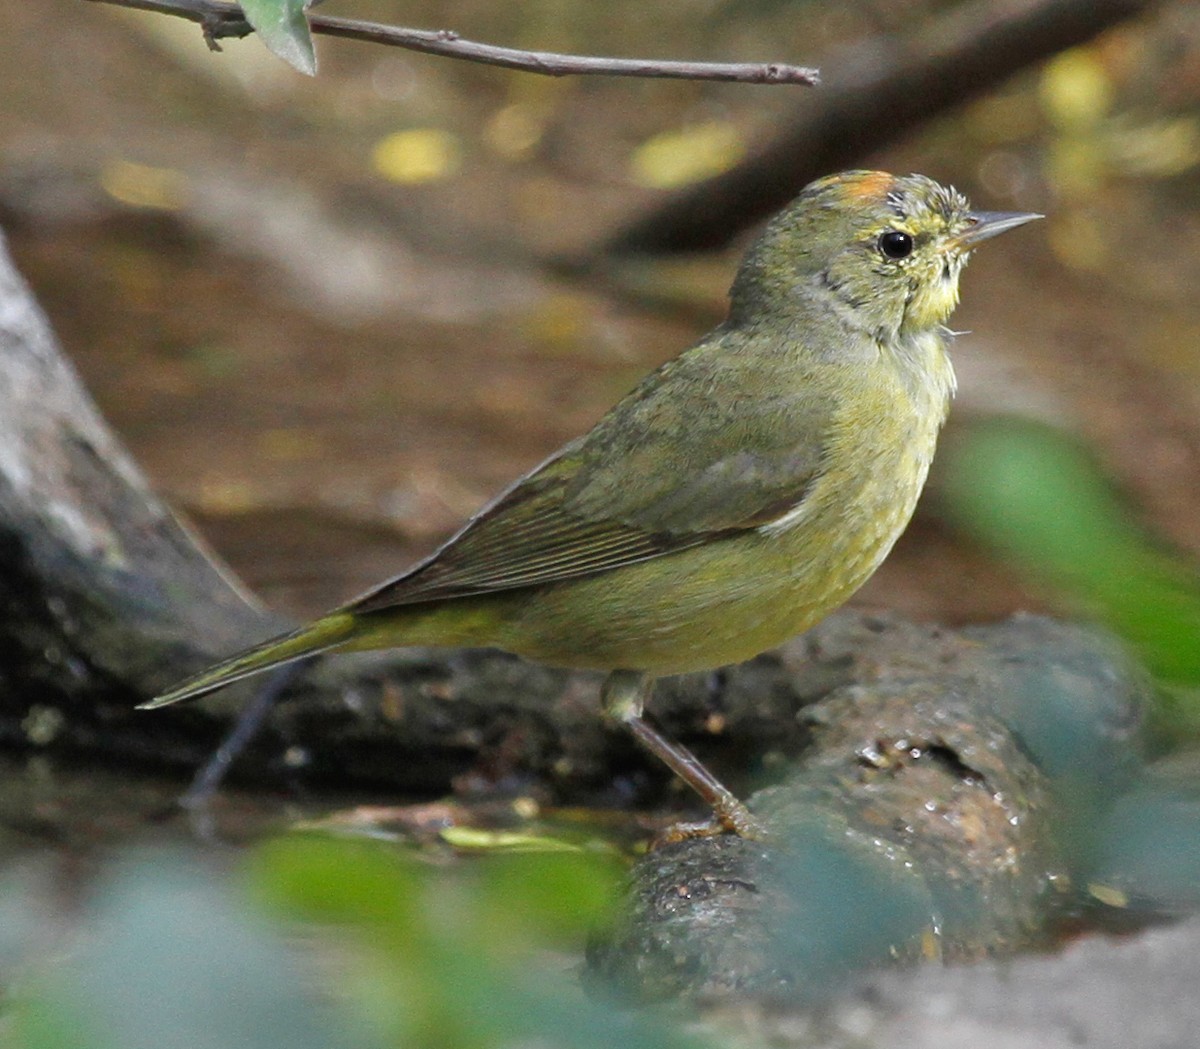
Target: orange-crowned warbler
[{"x": 735, "y": 497}]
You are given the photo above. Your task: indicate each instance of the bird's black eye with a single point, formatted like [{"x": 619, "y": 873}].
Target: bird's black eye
[{"x": 896, "y": 244}]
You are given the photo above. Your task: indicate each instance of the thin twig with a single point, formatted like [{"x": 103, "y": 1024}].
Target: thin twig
[
  {"x": 220, "y": 19},
  {"x": 249, "y": 720},
  {"x": 880, "y": 90}
]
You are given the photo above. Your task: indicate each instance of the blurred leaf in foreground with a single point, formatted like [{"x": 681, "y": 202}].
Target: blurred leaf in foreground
[
  {"x": 1036, "y": 497},
  {"x": 463, "y": 956},
  {"x": 1147, "y": 852},
  {"x": 341, "y": 945},
  {"x": 170, "y": 958}
]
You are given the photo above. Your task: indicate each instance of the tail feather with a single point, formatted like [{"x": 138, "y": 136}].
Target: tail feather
[{"x": 320, "y": 636}]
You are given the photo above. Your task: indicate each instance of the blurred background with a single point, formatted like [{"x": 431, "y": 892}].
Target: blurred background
[{"x": 332, "y": 316}]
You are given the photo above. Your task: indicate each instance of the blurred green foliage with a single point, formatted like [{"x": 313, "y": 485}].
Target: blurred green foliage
[
  {"x": 1033, "y": 495},
  {"x": 1147, "y": 847},
  {"x": 167, "y": 954},
  {"x": 1038, "y": 498},
  {"x": 366, "y": 947}
]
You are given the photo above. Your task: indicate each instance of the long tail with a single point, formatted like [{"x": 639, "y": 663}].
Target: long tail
[{"x": 320, "y": 636}]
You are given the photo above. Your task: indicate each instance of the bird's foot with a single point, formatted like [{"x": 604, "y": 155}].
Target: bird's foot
[{"x": 732, "y": 817}]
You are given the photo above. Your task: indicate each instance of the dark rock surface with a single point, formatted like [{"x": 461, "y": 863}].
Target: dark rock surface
[{"x": 933, "y": 814}]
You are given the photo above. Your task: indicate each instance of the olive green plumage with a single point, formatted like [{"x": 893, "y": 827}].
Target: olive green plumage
[{"x": 737, "y": 494}]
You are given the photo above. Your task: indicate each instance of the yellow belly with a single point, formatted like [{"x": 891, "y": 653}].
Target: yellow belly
[
  {"x": 704, "y": 607},
  {"x": 701, "y": 608},
  {"x": 729, "y": 599}
]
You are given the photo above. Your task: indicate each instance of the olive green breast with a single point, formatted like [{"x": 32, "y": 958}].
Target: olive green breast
[{"x": 731, "y": 598}]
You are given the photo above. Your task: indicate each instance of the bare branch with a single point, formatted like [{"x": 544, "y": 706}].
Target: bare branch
[
  {"x": 880, "y": 89},
  {"x": 219, "y": 19}
]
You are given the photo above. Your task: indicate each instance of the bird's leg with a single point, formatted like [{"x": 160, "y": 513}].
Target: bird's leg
[
  {"x": 624, "y": 694},
  {"x": 197, "y": 798}
]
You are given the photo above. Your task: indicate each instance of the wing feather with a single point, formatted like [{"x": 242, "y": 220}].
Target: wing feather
[
  {"x": 632, "y": 490},
  {"x": 525, "y": 538}
]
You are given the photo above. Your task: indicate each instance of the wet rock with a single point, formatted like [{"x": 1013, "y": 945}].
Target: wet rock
[{"x": 925, "y": 819}]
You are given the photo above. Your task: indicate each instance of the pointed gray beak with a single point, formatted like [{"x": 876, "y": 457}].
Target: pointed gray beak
[{"x": 985, "y": 224}]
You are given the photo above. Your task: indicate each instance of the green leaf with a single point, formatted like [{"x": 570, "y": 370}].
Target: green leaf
[
  {"x": 1036, "y": 497},
  {"x": 353, "y": 883},
  {"x": 460, "y": 950},
  {"x": 170, "y": 958},
  {"x": 546, "y": 896},
  {"x": 283, "y": 27}
]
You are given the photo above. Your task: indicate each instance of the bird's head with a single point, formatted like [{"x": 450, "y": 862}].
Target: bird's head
[{"x": 882, "y": 252}]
